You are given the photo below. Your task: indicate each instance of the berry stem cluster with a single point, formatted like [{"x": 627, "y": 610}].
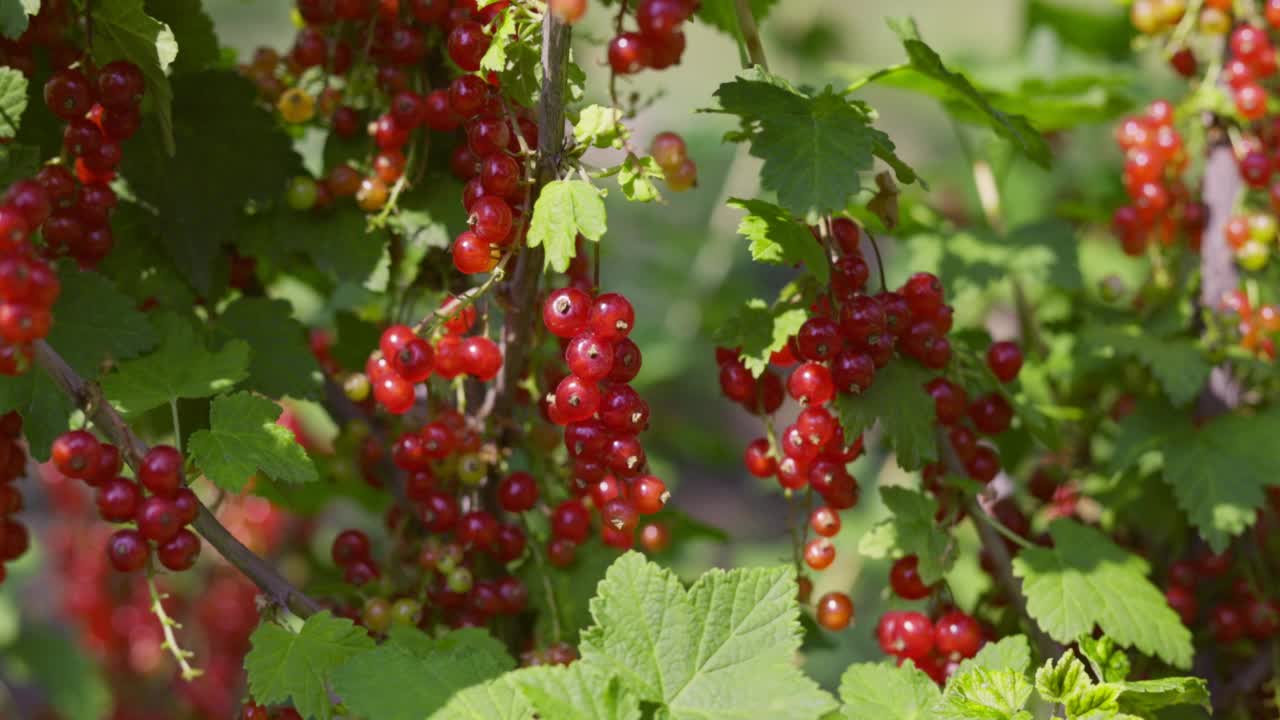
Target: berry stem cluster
[{"x": 106, "y": 419}]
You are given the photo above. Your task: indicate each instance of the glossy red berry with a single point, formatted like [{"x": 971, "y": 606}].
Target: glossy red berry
[
  {"x": 180, "y": 552},
  {"x": 835, "y": 611},
  {"x": 570, "y": 521},
  {"x": 518, "y": 492},
  {"x": 649, "y": 494},
  {"x": 950, "y": 401},
  {"x": 67, "y": 93},
  {"x": 629, "y": 53},
  {"x": 118, "y": 499},
  {"x": 819, "y": 553},
  {"x": 120, "y": 85},
  {"x": 1005, "y": 360},
  {"x": 566, "y": 311},
  {"x": 467, "y": 44},
  {"x": 589, "y": 357},
  {"x": 350, "y": 546},
  {"x": 128, "y": 550},
  {"x": 956, "y": 636},
  {"x": 481, "y": 358},
  {"x": 991, "y": 413},
  {"x": 611, "y": 316},
  {"x": 825, "y": 521},
  {"x": 161, "y": 471},
  {"x": 904, "y": 578},
  {"x": 158, "y": 519},
  {"x": 759, "y": 461},
  {"x": 811, "y": 384},
  {"x": 75, "y": 454},
  {"x": 472, "y": 254},
  {"x": 906, "y": 635}
]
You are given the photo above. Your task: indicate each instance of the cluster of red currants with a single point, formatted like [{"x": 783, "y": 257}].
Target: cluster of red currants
[
  {"x": 1239, "y": 612},
  {"x": 405, "y": 359},
  {"x": 1161, "y": 208},
  {"x": 14, "y": 539},
  {"x": 935, "y": 646},
  {"x": 659, "y": 41},
  {"x": 989, "y": 414},
  {"x": 671, "y": 154},
  {"x": 161, "y": 517},
  {"x": 1256, "y": 327},
  {"x": 602, "y": 416}
]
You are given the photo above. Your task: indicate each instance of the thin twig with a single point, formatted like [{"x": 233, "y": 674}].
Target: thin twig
[
  {"x": 994, "y": 546},
  {"x": 750, "y": 34},
  {"x": 110, "y": 422},
  {"x": 875, "y": 247}
]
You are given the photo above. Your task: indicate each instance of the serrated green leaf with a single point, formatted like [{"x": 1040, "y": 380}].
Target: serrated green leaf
[
  {"x": 281, "y": 362},
  {"x": 192, "y": 30},
  {"x": 982, "y": 694},
  {"x": 96, "y": 321},
  {"x": 411, "y": 676},
  {"x": 636, "y": 176},
  {"x": 496, "y": 700},
  {"x": 1108, "y": 662},
  {"x": 723, "y": 649},
  {"x": 1144, "y": 697},
  {"x": 778, "y": 238},
  {"x": 45, "y": 409},
  {"x": 911, "y": 530},
  {"x": 1010, "y": 653},
  {"x": 13, "y": 101},
  {"x": 885, "y": 692},
  {"x": 182, "y": 367},
  {"x": 243, "y": 438},
  {"x": 898, "y": 401},
  {"x": 814, "y": 147},
  {"x": 576, "y": 692},
  {"x": 1086, "y": 580},
  {"x": 1178, "y": 364},
  {"x": 230, "y": 154},
  {"x": 760, "y": 330},
  {"x": 337, "y": 242},
  {"x": 1057, "y": 680},
  {"x": 284, "y": 666},
  {"x": 14, "y": 17},
  {"x": 504, "y": 35},
  {"x": 1092, "y": 700},
  {"x": 1014, "y": 128},
  {"x": 122, "y": 30},
  {"x": 600, "y": 126},
  {"x": 564, "y": 210}
]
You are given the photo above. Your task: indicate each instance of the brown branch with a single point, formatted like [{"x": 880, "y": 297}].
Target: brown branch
[
  {"x": 522, "y": 288},
  {"x": 1246, "y": 679},
  {"x": 750, "y": 34},
  {"x": 89, "y": 398},
  {"x": 994, "y": 545}
]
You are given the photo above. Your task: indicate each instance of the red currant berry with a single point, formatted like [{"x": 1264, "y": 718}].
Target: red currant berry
[
  {"x": 1005, "y": 360},
  {"x": 128, "y": 550},
  {"x": 161, "y": 471},
  {"x": 835, "y": 611}
]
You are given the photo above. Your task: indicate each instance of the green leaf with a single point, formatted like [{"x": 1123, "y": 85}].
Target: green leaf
[
  {"x": 1092, "y": 700},
  {"x": 230, "y": 154},
  {"x": 1014, "y": 128},
  {"x": 243, "y": 438},
  {"x": 496, "y": 700},
  {"x": 337, "y": 241},
  {"x": 814, "y": 147},
  {"x": 600, "y": 126},
  {"x": 182, "y": 367},
  {"x": 760, "y": 330},
  {"x": 18, "y": 162},
  {"x": 1059, "y": 679},
  {"x": 1108, "y": 662},
  {"x": 910, "y": 530},
  {"x": 1146, "y": 696},
  {"x": 1219, "y": 471},
  {"x": 193, "y": 31},
  {"x": 1178, "y": 364},
  {"x": 982, "y": 694},
  {"x": 14, "y": 17},
  {"x": 72, "y": 682},
  {"x": 904, "y": 410},
  {"x": 723, "y": 649},
  {"x": 885, "y": 692},
  {"x": 281, "y": 362},
  {"x": 577, "y": 692},
  {"x": 636, "y": 176},
  {"x": 284, "y": 666},
  {"x": 780, "y": 239},
  {"x": 572, "y": 588},
  {"x": 720, "y": 14},
  {"x": 45, "y": 409},
  {"x": 1009, "y": 653},
  {"x": 503, "y": 37},
  {"x": 122, "y": 30},
  {"x": 13, "y": 101},
  {"x": 96, "y": 321},
  {"x": 411, "y": 676},
  {"x": 564, "y": 210},
  {"x": 1086, "y": 580}
]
